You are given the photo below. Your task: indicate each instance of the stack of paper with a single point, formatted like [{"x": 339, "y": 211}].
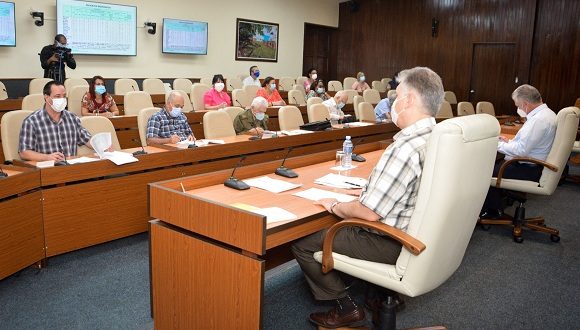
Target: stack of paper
[
  {"x": 295, "y": 132},
  {"x": 119, "y": 157},
  {"x": 272, "y": 214},
  {"x": 359, "y": 124},
  {"x": 315, "y": 194},
  {"x": 341, "y": 181},
  {"x": 81, "y": 160},
  {"x": 272, "y": 185}
]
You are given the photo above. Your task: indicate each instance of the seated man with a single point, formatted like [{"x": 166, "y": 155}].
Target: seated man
[
  {"x": 389, "y": 197},
  {"x": 169, "y": 125},
  {"x": 252, "y": 79},
  {"x": 383, "y": 108},
  {"x": 253, "y": 121},
  {"x": 335, "y": 105},
  {"x": 52, "y": 133},
  {"x": 533, "y": 140}
]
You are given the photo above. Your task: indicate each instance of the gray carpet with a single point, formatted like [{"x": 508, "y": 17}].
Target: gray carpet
[{"x": 500, "y": 284}]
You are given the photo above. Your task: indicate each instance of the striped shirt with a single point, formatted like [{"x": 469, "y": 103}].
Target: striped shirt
[
  {"x": 162, "y": 125},
  {"x": 42, "y": 134},
  {"x": 393, "y": 185}
]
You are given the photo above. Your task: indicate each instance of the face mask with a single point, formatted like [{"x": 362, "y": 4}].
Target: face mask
[
  {"x": 314, "y": 76},
  {"x": 259, "y": 115},
  {"x": 100, "y": 89},
  {"x": 320, "y": 90},
  {"x": 58, "y": 44},
  {"x": 522, "y": 113},
  {"x": 394, "y": 113},
  {"x": 272, "y": 86},
  {"x": 219, "y": 87},
  {"x": 175, "y": 112},
  {"x": 59, "y": 104},
  {"x": 362, "y": 78},
  {"x": 256, "y": 74},
  {"x": 340, "y": 106}
]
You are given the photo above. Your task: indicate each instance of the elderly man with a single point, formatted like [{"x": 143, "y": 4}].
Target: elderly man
[
  {"x": 389, "y": 197},
  {"x": 335, "y": 105},
  {"x": 52, "y": 133},
  {"x": 252, "y": 79},
  {"x": 169, "y": 125},
  {"x": 383, "y": 108},
  {"x": 533, "y": 140},
  {"x": 253, "y": 121}
]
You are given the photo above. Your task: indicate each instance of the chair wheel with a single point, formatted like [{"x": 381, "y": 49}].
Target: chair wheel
[
  {"x": 518, "y": 239},
  {"x": 555, "y": 238}
]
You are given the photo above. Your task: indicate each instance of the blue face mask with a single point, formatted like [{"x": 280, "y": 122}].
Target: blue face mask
[
  {"x": 340, "y": 105},
  {"x": 320, "y": 90},
  {"x": 272, "y": 86},
  {"x": 259, "y": 115},
  {"x": 256, "y": 74},
  {"x": 100, "y": 89},
  {"x": 175, "y": 112}
]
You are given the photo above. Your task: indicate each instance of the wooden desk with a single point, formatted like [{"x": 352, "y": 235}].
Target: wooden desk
[{"x": 201, "y": 246}]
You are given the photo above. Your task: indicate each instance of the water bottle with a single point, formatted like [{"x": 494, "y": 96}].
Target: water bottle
[{"x": 347, "y": 149}]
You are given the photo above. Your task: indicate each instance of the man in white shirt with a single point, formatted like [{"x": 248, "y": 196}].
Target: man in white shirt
[
  {"x": 252, "y": 79},
  {"x": 335, "y": 105},
  {"x": 533, "y": 140}
]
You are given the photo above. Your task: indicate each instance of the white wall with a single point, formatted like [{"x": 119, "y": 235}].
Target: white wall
[{"x": 22, "y": 61}]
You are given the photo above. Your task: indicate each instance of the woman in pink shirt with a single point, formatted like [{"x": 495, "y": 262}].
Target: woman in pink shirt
[
  {"x": 360, "y": 85},
  {"x": 312, "y": 76},
  {"x": 216, "y": 98}
]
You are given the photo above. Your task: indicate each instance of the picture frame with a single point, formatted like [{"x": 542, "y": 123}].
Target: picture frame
[{"x": 256, "y": 40}]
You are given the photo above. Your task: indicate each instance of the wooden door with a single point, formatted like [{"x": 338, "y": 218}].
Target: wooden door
[
  {"x": 317, "y": 51},
  {"x": 493, "y": 76}
]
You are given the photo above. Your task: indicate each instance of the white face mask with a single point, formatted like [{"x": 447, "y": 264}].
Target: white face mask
[
  {"x": 58, "y": 104},
  {"x": 362, "y": 78},
  {"x": 314, "y": 76},
  {"x": 522, "y": 113},
  {"x": 394, "y": 113},
  {"x": 219, "y": 87}
]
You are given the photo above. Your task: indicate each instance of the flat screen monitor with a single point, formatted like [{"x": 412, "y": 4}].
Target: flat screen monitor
[
  {"x": 95, "y": 28},
  {"x": 7, "y": 24},
  {"x": 184, "y": 37}
]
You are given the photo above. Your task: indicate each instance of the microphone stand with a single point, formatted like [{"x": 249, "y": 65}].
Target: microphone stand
[
  {"x": 139, "y": 152},
  {"x": 234, "y": 183},
  {"x": 192, "y": 146},
  {"x": 356, "y": 157},
  {"x": 284, "y": 171}
]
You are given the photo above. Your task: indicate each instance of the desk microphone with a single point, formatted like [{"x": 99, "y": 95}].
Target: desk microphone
[
  {"x": 295, "y": 101},
  {"x": 258, "y": 136},
  {"x": 192, "y": 146},
  {"x": 234, "y": 183},
  {"x": 240, "y": 104},
  {"x": 134, "y": 90},
  {"x": 284, "y": 171},
  {"x": 139, "y": 152},
  {"x": 2, "y": 173},
  {"x": 232, "y": 87},
  {"x": 355, "y": 157},
  {"x": 61, "y": 162}
]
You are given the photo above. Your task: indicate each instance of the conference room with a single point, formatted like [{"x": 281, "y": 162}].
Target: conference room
[{"x": 202, "y": 233}]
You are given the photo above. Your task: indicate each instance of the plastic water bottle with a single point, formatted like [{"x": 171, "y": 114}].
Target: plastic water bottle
[{"x": 347, "y": 149}]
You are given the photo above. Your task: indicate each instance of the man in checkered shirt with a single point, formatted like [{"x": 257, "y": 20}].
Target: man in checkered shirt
[
  {"x": 169, "y": 125},
  {"x": 52, "y": 133},
  {"x": 389, "y": 197}
]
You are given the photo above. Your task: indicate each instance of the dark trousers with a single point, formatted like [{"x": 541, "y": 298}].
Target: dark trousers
[
  {"x": 519, "y": 171},
  {"x": 354, "y": 242}
]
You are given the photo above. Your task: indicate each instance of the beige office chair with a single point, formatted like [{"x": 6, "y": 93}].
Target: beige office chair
[
  {"x": 36, "y": 85},
  {"x": 313, "y": 100},
  {"x": 142, "y": 121},
  {"x": 351, "y": 94},
  {"x": 386, "y": 81},
  {"x": 379, "y": 86},
  {"x": 242, "y": 76},
  {"x": 33, "y": 101},
  {"x": 334, "y": 86},
  {"x": 566, "y": 127},
  {"x": 233, "y": 112},
  {"x": 290, "y": 118},
  {"x": 348, "y": 82},
  {"x": 317, "y": 112},
  {"x": 69, "y": 83},
  {"x": 300, "y": 88},
  {"x": 445, "y": 110},
  {"x": 217, "y": 124},
  {"x": 286, "y": 84},
  {"x": 153, "y": 86},
  {"x": 240, "y": 98},
  {"x": 234, "y": 83},
  {"x": 125, "y": 85},
  {"x": 75, "y": 98},
  {"x": 187, "y": 106},
  {"x": 10, "y": 126},
  {"x": 206, "y": 81},
  {"x": 449, "y": 200},
  {"x": 135, "y": 101},
  {"x": 366, "y": 112},
  {"x": 450, "y": 97},
  {"x": 296, "y": 97},
  {"x": 485, "y": 107},
  {"x": 251, "y": 91},
  {"x": 197, "y": 92},
  {"x": 391, "y": 93},
  {"x": 300, "y": 81},
  {"x": 182, "y": 84},
  {"x": 356, "y": 100},
  {"x": 372, "y": 96},
  {"x": 3, "y": 91},
  {"x": 465, "y": 109},
  {"x": 98, "y": 124}
]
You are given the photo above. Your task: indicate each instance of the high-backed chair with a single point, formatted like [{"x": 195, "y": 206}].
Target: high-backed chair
[
  {"x": 290, "y": 118},
  {"x": 98, "y": 124},
  {"x": 234, "y": 83},
  {"x": 206, "y": 81},
  {"x": 240, "y": 98},
  {"x": 317, "y": 112},
  {"x": 197, "y": 92},
  {"x": 465, "y": 109},
  {"x": 334, "y": 86},
  {"x": 566, "y": 127},
  {"x": 69, "y": 83},
  {"x": 75, "y": 98},
  {"x": 356, "y": 100},
  {"x": 300, "y": 80},
  {"x": 36, "y": 85},
  {"x": 10, "y": 126},
  {"x": 348, "y": 82},
  {"x": 448, "y": 202},
  {"x": 300, "y": 88},
  {"x": 142, "y": 120},
  {"x": 125, "y": 85},
  {"x": 372, "y": 96},
  {"x": 286, "y": 83},
  {"x": 445, "y": 110},
  {"x": 391, "y": 93},
  {"x": 379, "y": 86},
  {"x": 233, "y": 112},
  {"x": 366, "y": 112},
  {"x": 135, "y": 101},
  {"x": 386, "y": 82},
  {"x": 33, "y": 101},
  {"x": 485, "y": 107},
  {"x": 187, "y": 106},
  {"x": 153, "y": 86},
  {"x": 3, "y": 92},
  {"x": 182, "y": 84},
  {"x": 313, "y": 100},
  {"x": 296, "y": 97},
  {"x": 450, "y": 97},
  {"x": 251, "y": 91},
  {"x": 351, "y": 94},
  {"x": 217, "y": 124}
]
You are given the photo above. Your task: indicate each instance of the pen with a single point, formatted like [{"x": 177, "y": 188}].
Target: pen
[
  {"x": 353, "y": 184},
  {"x": 182, "y": 188}
]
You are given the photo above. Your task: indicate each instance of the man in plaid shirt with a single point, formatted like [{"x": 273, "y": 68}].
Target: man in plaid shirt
[
  {"x": 169, "y": 125},
  {"x": 389, "y": 197}
]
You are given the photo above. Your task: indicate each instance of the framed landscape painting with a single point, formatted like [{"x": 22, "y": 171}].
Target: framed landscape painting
[{"x": 256, "y": 41}]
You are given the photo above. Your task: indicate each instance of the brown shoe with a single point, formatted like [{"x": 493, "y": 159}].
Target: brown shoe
[{"x": 332, "y": 319}]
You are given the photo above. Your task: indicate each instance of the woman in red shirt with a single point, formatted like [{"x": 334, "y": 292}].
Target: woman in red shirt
[
  {"x": 270, "y": 93},
  {"x": 97, "y": 101},
  {"x": 217, "y": 98}
]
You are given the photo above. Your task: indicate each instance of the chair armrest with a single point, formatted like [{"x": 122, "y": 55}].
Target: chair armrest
[
  {"x": 409, "y": 242},
  {"x": 551, "y": 167}
]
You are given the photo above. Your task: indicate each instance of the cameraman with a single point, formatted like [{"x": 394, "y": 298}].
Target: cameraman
[{"x": 54, "y": 57}]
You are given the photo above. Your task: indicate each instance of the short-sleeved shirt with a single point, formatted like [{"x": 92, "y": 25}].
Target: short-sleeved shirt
[
  {"x": 360, "y": 86},
  {"x": 162, "y": 125},
  {"x": 246, "y": 121},
  {"x": 324, "y": 96},
  {"x": 272, "y": 97},
  {"x": 251, "y": 81},
  {"x": 393, "y": 185},
  {"x": 93, "y": 106},
  {"x": 213, "y": 98},
  {"x": 335, "y": 112},
  {"x": 42, "y": 134},
  {"x": 307, "y": 84},
  {"x": 382, "y": 108}
]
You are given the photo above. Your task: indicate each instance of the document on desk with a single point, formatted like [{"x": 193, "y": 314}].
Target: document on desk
[
  {"x": 81, "y": 160},
  {"x": 315, "y": 194},
  {"x": 295, "y": 132},
  {"x": 341, "y": 181},
  {"x": 271, "y": 185},
  {"x": 119, "y": 157},
  {"x": 272, "y": 214},
  {"x": 359, "y": 124}
]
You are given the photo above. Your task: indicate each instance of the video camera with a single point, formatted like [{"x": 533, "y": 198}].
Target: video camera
[{"x": 61, "y": 51}]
